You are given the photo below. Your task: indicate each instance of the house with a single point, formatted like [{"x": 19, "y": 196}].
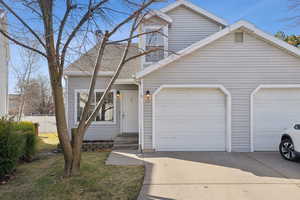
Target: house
[
  {"x": 228, "y": 87},
  {"x": 4, "y": 58},
  {"x": 14, "y": 102}
]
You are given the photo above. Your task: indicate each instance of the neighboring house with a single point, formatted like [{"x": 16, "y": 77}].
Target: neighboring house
[
  {"x": 228, "y": 88},
  {"x": 14, "y": 103},
  {"x": 4, "y": 58}
]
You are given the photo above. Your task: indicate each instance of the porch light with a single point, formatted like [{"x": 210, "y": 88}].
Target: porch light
[
  {"x": 118, "y": 93},
  {"x": 148, "y": 95}
]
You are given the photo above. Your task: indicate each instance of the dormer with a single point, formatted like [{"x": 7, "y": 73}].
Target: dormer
[
  {"x": 155, "y": 21},
  {"x": 181, "y": 24}
]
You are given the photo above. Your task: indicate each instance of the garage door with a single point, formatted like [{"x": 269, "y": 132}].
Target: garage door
[
  {"x": 274, "y": 110},
  {"x": 190, "y": 120}
]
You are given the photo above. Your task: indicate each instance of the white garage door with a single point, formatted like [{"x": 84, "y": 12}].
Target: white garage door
[
  {"x": 274, "y": 110},
  {"x": 190, "y": 120}
]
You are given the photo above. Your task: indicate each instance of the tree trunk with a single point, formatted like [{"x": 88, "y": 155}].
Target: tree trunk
[
  {"x": 21, "y": 107},
  {"x": 62, "y": 129},
  {"x": 76, "y": 147}
]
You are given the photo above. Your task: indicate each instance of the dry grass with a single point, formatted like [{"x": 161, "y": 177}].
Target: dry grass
[
  {"x": 47, "y": 142},
  {"x": 42, "y": 179}
]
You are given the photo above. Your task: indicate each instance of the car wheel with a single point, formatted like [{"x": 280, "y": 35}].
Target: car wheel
[{"x": 286, "y": 149}]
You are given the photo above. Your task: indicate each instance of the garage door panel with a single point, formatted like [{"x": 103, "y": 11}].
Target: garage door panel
[
  {"x": 274, "y": 110},
  {"x": 203, "y": 126},
  {"x": 190, "y": 119},
  {"x": 205, "y": 144}
]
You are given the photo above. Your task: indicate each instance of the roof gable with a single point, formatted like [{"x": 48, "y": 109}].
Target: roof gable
[
  {"x": 196, "y": 9},
  {"x": 241, "y": 24},
  {"x": 159, "y": 14},
  {"x": 162, "y": 12}
]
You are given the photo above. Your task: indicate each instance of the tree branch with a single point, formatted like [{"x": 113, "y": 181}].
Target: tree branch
[
  {"x": 23, "y": 22},
  {"x": 136, "y": 13},
  {"x": 136, "y": 36},
  {"x": 27, "y": 4},
  {"x": 21, "y": 44},
  {"x": 98, "y": 62},
  {"x": 142, "y": 54},
  {"x": 63, "y": 23},
  {"x": 83, "y": 20},
  {"x": 93, "y": 115}
]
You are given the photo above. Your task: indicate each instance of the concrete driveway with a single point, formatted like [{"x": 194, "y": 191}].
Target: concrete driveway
[
  {"x": 219, "y": 176},
  {"x": 215, "y": 175}
]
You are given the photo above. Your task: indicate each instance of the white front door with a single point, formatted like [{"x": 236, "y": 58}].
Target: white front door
[{"x": 129, "y": 111}]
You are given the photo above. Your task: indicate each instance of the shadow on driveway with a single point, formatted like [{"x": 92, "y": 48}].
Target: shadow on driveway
[{"x": 215, "y": 175}]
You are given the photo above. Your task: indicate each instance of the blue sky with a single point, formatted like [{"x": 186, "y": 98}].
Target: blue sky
[{"x": 269, "y": 15}]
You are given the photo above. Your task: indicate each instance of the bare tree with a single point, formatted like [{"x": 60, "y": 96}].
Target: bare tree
[
  {"x": 36, "y": 97},
  {"x": 59, "y": 35},
  {"x": 45, "y": 101},
  {"x": 294, "y": 7},
  {"x": 291, "y": 39},
  {"x": 23, "y": 74}
]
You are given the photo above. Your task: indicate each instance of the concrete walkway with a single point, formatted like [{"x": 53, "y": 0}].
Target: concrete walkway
[
  {"x": 216, "y": 175},
  {"x": 125, "y": 158}
]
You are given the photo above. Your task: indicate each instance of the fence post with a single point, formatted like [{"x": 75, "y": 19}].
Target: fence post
[{"x": 36, "y": 129}]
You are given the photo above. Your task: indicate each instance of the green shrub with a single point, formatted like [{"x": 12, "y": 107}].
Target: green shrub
[
  {"x": 23, "y": 127},
  {"x": 27, "y": 130},
  {"x": 11, "y": 148},
  {"x": 30, "y": 146},
  {"x": 17, "y": 141}
]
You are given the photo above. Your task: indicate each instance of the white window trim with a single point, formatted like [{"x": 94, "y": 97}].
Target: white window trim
[
  {"x": 228, "y": 109},
  {"x": 96, "y": 122},
  {"x": 141, "y": 116},
  {"x": 165, "y": 32},
  {"x": 283, "y": 86}
]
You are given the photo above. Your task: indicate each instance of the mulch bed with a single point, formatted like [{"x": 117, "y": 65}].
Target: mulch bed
[{"x": 6, "y": 178}]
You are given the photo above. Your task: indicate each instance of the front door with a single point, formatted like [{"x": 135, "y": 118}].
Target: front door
[{"x": 129, "y": 111}]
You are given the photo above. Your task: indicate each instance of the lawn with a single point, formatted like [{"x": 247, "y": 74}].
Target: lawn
[
  {"x": 47, "y": 142},
  {"x": 42, "y": 179}
]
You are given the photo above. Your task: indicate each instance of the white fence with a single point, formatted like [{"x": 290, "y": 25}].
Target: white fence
[{"x": 47, "y": 123}]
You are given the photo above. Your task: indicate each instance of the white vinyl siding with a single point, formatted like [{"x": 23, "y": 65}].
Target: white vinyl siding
[
  {"x": 188, "y": 27},
  {"x": 96, "y": 131},
  {"x": 190, "y": 120},
  {"x": 239, "y": 67},
  {"x": 3, "y": 73},
  {"x": 273, "y": 111}
]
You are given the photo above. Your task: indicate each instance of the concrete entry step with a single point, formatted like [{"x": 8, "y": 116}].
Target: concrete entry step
[
  {"x": 126, "y": 141},
  {"x": 125, "y": 147}
]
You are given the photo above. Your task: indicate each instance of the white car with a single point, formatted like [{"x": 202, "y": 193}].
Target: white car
[{"x": 289, "y": 147}]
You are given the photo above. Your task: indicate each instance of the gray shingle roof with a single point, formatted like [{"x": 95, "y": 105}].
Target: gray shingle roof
[{"x": 111, "y": 59}]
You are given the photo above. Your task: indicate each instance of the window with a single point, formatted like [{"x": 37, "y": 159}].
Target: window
[
  {"x": 153, "y": 41},
  {"x": 297, "y": 127},
  {"x": 239, "y": 37},
  {"x": 106, "y": 112}
]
